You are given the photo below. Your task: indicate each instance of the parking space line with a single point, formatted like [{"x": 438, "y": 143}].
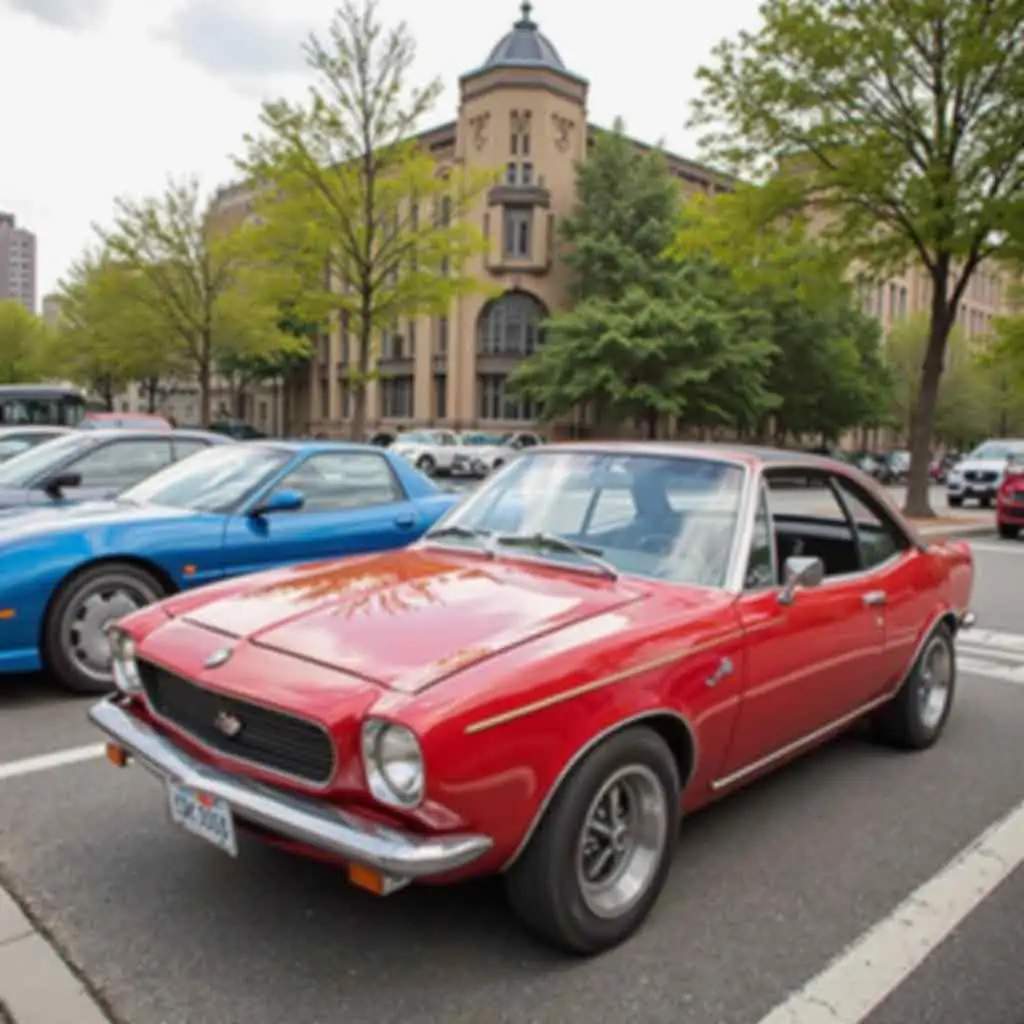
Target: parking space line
[
  {"x": 47, "y": 762},
  {"x": 856, "y": 982}
]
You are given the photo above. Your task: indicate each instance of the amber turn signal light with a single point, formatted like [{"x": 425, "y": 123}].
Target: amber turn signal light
[
  {"x": 367, "y": 878},
  {"x": 117, "y": 755}
]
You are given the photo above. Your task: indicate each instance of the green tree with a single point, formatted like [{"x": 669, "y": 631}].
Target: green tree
[
  {"x": 902, "y": 122},
  {"x": 211, "y": 301},
  {"x": 1007, "y": 349},
  {"x": 351, "y": 202},
  {"x": 646, "y": 338},
  {"x": 23, "y": 344}
]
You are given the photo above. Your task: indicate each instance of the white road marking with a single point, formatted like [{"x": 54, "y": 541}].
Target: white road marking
[
  {"x": 1008, "y": 547},
  {"x": 46, "y": 762},
  {"x": 993, "y": 654},
  {"x": 853, "y": 985}
]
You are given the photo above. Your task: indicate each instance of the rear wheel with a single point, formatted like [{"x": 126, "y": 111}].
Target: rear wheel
[
  {"x": 915, "y": 718},
  {"x": 599, "y": 858},
  {"x": 1008, "y": 532},
  {"x": 426, "y": 464},
  {"x": 75, "y": 644},
  {"x": 954, "y": 502}
]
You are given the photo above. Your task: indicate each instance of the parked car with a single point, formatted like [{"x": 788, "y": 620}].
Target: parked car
[
  {"x": 89, "y": 464},
  {"x": 231, "y": 510},
  {"x": 134, "y": 420},
  {"x": 486, "y": 460},
  {"x": 467, "y": 460},
  {"x": 430, "y": 451},
  {"x": 600, "y": 638},
  {"x": 238, "y": 429},
  {"x": 1010, "y": 499},
  {"x": 978, "y": 476},
  {"x": 15, "y": 440}
]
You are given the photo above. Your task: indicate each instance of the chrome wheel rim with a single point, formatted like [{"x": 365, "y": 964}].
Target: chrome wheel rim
[
  {"x": 935, "y": 681},
  {"x": 622, "y": 841},
  {"x": 83, "y": 634}
]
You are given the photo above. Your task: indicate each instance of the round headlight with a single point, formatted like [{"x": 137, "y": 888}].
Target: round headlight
[
  {"x": 394, "y": 763},
  {"x": 126, "y": 668}
]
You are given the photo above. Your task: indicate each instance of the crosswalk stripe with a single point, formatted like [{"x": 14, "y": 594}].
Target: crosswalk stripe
[{"x": 993, "y": 654}]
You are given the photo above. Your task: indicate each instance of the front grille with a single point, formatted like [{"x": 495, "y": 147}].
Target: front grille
[
  {"x": 268, "y": 738},
  {"x": 1017, "y": 496},
  {"x": 981, "y": 476}
]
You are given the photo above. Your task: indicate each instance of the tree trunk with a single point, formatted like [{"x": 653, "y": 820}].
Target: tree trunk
[
  {"x": 204, "y": 384},
  {"x": 922, "y": 421}
]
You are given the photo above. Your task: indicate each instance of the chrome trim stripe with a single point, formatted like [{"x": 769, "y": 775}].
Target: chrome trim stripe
[
  {"x": 299, "y": 780},
  {"x": 312, "y": 822},
  {"x": 582, "y": 752}
]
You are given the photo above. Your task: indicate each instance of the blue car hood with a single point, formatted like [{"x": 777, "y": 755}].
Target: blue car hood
[{"x": 20, "y": 523}]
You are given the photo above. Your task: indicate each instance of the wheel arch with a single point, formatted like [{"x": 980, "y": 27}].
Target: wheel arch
[
  {"x": 673, "y": 727},
  {"x": 135, "y": 561}
]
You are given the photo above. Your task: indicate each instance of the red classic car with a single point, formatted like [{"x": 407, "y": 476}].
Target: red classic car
[
  {"x": 1010, "y": 500},
  {"x": 599, "y": 640}
]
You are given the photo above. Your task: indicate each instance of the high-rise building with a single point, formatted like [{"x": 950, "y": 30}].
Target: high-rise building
[{"x": 17, "y": 262}]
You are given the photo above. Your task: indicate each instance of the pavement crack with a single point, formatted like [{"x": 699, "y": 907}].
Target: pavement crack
[
  {"x": 11, "y": 940},
  {"x": 824, "y": 1004}
]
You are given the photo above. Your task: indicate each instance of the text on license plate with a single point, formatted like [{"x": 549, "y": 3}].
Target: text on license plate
[{"x": 203, "y": 815}]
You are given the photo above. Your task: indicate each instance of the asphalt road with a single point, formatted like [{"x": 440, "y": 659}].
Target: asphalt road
[{"x": 767, "y": 888}]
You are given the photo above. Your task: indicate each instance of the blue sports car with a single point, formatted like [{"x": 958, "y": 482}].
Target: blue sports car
[
  {"x": 89, "y": 464},
  {"x": 70, "y": 570}
]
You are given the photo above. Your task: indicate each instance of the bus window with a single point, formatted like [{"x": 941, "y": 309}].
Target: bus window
[{"x": 39, "y": 405}]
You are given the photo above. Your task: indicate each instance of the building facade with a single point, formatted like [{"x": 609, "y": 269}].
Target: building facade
[{"x": 17, "y": 262}]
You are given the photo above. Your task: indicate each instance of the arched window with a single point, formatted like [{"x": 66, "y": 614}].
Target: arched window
[{"x": 509, "y": 326}]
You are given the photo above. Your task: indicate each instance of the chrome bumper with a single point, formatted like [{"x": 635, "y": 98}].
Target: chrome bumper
[
  {"x": 402, "y": 855},
  {"x": 967, "y": 620}
]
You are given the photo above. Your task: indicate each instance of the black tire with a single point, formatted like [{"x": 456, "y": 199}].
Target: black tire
[
  {"x": 954, "y": 502},
  {"x": 903, "y": 722},
  {"x": 985, "y": 502},
  {"x": 498, "y": 463},
  {"x": 1008, "y": 532},
  {"x": 426, "y": 464},
  {"x": 143, "y": 587},
  {"x": 544, "y": 886}
]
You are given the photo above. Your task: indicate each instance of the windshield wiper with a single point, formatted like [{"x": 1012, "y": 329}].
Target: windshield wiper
[
  {"x": 465, "y": 532},
  {"x": 552, "y": 542}
]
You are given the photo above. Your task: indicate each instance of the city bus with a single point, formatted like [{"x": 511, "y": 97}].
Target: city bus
[{"x": 49, "y": 405}]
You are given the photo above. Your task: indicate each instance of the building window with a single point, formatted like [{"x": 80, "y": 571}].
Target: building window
[
  {"x": 518, "y": 225},
  {"x": 496, "y": 402},
  {"x": 519, "y": 143},
  {"x": 511, "y": 326},
  {"x": 325, "y": 400},
  {"x": 411, "y": 335},
  {"x": 446, "y": 211},
  {"x": 903, "y": 302},
  {"x": 442, "y": 336},
  {"x": 345, "y": 393},
  {"x": 440, "y": 396},
  {"x": 396, "y": 397}
]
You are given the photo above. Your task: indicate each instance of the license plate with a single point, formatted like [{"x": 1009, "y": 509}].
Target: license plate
[{"x": 203, "y": 815}]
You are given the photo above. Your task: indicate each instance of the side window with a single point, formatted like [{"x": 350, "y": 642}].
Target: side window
[
  {"x": 527, "y": 440},
  {"x": 879, "y": 537},
  {"x": 120, "y": 464},
  {"x": 184, "y": 447},
  {"x": 614, "y": 507},
  {"x": 333, "y": 481},
  {"x": 761, "y": 570}
]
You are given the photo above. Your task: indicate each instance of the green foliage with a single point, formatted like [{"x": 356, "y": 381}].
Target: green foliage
[
  {"x": 349, "y": 204},
  {"x": 902, "y": 121},
  {"x": 210, "y": 303},
  {"x": 1007, "y": 351},
  {"x": 646, "y": 338},
  {"x": 23, "y": 344}
]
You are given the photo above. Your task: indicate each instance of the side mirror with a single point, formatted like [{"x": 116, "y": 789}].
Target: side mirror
[
  {"x": 280, "y": 501},
  {"x": 800, "y": 573},
  {"x": 55, "y": 485}
]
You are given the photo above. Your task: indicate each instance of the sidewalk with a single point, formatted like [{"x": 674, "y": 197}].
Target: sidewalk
[{"x": 36, "y": 986}]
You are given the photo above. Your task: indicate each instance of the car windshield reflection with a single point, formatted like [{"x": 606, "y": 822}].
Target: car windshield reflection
[
  {"x": 21, "y": 470},
  {"x": 215, "y": 480},
  {"x": 667, "y": 518}
]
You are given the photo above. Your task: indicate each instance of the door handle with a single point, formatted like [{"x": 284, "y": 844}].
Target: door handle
[
  {"x": 874, "y": 598},
  {"x": 405, "y": 522}
]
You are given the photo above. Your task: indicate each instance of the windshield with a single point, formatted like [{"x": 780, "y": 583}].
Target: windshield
[
  {"x": 214, "y": 480},
  {"x": 417, "y": 437},
  {"x": 996, "y": 450},
  {"x": 667, "y": 518},
  {"x": 481, "y": 439},
  {"x": 24, "y": 469}
]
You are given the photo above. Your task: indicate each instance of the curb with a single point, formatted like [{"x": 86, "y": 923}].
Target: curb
[{"x": 36, "y": 986}]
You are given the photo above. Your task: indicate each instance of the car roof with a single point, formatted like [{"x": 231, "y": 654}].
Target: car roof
[
  {"x": 298, "y": 446},
  {"x": 748, "y": 455}
]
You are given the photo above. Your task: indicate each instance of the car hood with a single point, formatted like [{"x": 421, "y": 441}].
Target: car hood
[
  {"x": 23, "y": 523},
  {"x": 20, "y": 497},
  {"x": 407, "y": 619},
  {"x": 974, "y": 465}
]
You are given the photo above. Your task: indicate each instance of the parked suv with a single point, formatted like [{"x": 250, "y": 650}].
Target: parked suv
[{"x": 979, "y": 475}]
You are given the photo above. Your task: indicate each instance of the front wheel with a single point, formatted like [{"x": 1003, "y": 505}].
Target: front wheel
[
  {"x": 426, "y": 464},
  {"x": 75, "y": 644},
  {"x": 599, "y": 859},
  {"x": 954, "y": 502},
  {"x": 915, "y": 718},
  {"x": 1008, "y": 532}
]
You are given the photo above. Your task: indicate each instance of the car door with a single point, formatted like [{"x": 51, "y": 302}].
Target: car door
[
  {"x": 353, "y": 504},
  {"x": 113, "y": 466},
  {"x": 812, "y": 662},
  {"x": 445, "y": 449}
]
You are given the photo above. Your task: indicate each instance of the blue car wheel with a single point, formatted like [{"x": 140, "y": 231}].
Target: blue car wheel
[{"x": 76, "y": 647}]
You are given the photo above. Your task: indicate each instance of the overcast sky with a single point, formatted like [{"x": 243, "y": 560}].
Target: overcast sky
[{"x": 109, "y": 97}]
